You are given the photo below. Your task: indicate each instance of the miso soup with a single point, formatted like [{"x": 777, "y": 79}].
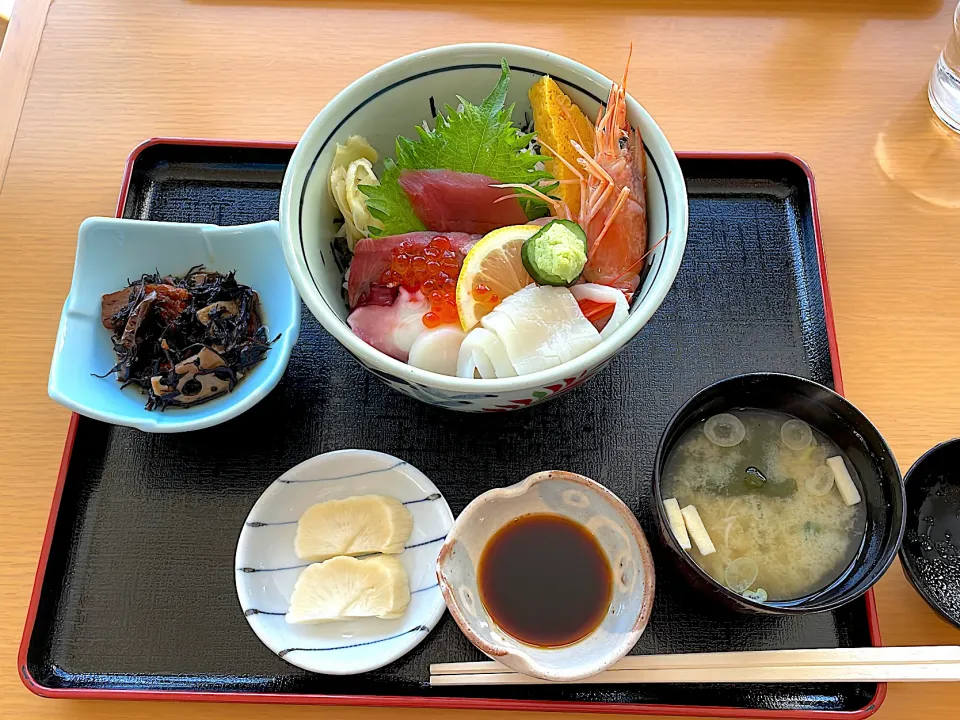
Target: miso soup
[{"x": 780, "y": 505}]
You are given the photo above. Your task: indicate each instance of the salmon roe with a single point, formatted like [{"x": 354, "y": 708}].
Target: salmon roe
[
  {"x": 481, "y": 293},
  {"x": 432, "y": 269}
]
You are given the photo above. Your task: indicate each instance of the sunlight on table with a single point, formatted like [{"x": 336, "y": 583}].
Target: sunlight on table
[
  {"x": 6, "y": 8},
  {"x": 921, "y": 154}
]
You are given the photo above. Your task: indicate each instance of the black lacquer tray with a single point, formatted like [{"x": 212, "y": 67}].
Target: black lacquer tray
[{"x": 135, "y": 592}]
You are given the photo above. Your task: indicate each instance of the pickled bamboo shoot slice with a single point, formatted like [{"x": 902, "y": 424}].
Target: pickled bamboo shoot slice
[
  {"x": 672, "y": 508},
  {"x": 697, "y": 530},
  {"x": 848, "y": 490}
]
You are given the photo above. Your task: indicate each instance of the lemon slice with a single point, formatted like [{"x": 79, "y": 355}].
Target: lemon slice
[{"x": 494, "y": 262}]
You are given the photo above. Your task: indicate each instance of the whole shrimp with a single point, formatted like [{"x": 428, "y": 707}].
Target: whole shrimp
[
  {"x": 613, "y": 199},
  {"x": 614, "y": 213}
]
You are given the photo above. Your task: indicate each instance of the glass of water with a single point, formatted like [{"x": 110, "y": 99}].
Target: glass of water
[{"x": 945, "y": 81}]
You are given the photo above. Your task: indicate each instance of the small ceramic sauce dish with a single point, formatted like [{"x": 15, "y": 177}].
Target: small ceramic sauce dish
[{"x": 602, "y": 520}]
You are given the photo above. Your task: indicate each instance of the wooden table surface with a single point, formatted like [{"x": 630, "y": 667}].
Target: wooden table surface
[{"x": 841, "y": 84}]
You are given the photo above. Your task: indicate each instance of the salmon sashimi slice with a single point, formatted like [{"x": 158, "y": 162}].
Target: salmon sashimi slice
[
  {"x": 446, "y": 200},
  {"x": 371, "y": 256}
]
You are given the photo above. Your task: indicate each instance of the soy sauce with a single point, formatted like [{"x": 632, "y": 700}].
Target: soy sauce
[{"x": 545, "y": 580}]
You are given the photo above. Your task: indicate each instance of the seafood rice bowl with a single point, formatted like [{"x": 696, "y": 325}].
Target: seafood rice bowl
[{"x": 484, "y": 226}]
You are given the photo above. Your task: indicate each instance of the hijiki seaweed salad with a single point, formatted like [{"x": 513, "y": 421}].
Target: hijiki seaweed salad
[
  {"x": 184, "y": 341},
  {"x": 484, "y": 251}
]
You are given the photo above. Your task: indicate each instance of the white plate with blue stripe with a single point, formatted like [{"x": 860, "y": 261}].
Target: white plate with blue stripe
[{"x": 267, "y": 566}]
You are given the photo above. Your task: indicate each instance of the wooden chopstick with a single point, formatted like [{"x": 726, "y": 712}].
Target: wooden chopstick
[{"x": 881, "y": 664}]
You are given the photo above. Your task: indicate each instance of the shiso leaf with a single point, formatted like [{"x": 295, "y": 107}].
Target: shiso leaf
[
  {"x": 388, "y": 203},
  {"x": 477, "y": 139}
]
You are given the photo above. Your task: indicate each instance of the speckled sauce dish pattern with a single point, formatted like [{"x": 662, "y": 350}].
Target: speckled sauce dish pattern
[
  {"x": 619, "y": 535},
  {"x": 930, "y": 553},
  {"x": 267, "y": 566}
]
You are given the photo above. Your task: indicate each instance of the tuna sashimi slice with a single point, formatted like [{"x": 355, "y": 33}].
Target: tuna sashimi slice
[
  {"x": 372, "y": 256},
  {"x": 463, "y": 202}
]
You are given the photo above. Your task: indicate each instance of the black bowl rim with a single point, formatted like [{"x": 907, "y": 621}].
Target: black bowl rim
[
  {"x": 804, "y": 609},
  {"x": 906, "y": 558}
]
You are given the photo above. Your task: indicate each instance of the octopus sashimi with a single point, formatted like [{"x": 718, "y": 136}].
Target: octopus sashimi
[
  {"x": 391, "y": 329},
  {"x": 451, "y": 201},
  {"x": 372, "y": 256}
]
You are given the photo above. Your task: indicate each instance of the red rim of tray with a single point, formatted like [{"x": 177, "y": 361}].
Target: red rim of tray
[{"x": 448, "y": 702}]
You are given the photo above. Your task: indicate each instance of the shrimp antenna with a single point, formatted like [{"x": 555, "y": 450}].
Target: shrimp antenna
[
  {"x": 636, "y": 266},
  {"x": 558, "y": 206},
  {"x": 590, "y": 165},
  {"x": 569, "y": 117},
  {"x": 558, "y": 156},
  {"x": 626, "y": 70},
  {"x": 618, "y": 206}
]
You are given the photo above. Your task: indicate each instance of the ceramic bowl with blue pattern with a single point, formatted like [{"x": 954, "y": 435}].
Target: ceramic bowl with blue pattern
[
  {"x": 391, "y": 101},
  {"x": 110, "y": 253}
]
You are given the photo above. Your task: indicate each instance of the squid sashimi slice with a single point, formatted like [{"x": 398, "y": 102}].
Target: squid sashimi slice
[
  {"x": 541, "y": 327},
  {"x": 437, "y": 349},
  {"x": 391, "y": 329},
  {"x": 447, "y": 200},
  {"x": 604, "y": 295},
  {"x": 371, "y": 256},
  {"x": 482, "y": 353}
]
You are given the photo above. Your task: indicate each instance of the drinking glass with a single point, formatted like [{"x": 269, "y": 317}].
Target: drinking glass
[{"x": 944, "y": 89}]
